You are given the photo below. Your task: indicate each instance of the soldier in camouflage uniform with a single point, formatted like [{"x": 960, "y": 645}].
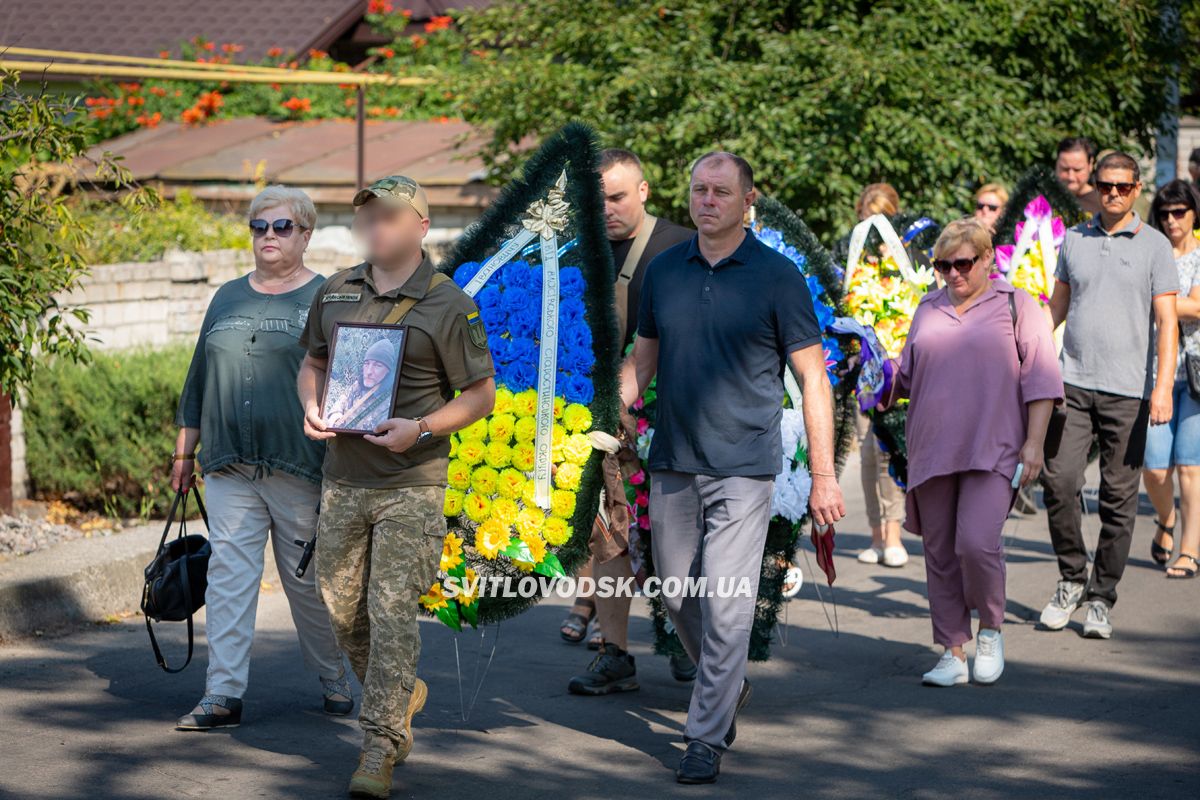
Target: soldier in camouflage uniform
[{"x": 381, "y": 525}]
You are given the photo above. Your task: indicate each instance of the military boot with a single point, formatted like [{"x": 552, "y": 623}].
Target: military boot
[
  {"x": 373, "y": 778},
  {"x": 416, "y": 702}
]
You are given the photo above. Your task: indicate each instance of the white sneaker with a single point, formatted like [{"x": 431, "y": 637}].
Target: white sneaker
[
  {"x": 1097, "y": 624},
  {"x": 895, "y": 556},
  {"x": 1057, "y": 613},
  {"x": 989, "y": 656},
  {"x": 950, "y": 671},
  {"x": 870, "y": 556}
]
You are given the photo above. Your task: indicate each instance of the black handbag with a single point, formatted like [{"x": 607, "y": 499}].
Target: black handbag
[
  {"x": 1192, "y": 365},
  {"x": 177, "y": 577}
]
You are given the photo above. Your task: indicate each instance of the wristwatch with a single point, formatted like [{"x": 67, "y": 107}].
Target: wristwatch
[{"x": 425, "y": 435}]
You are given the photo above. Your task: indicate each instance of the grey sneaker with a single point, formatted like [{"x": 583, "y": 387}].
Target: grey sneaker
[
  {"x": 1057, "y": 613},
  {"x": 1097, "y": 625}
]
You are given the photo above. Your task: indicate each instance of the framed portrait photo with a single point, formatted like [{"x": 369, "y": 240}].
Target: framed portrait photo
[{"x": 363, "y": 376}]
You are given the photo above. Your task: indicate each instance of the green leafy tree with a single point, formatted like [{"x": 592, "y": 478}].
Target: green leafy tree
[
  {"x": 43, "y": 149},
  {"x": 823, "y": 97}
]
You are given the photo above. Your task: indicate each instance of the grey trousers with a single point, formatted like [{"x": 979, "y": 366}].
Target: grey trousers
[
  {"x": 714, "y": 528},
  {"x": 244, "y": 511}
]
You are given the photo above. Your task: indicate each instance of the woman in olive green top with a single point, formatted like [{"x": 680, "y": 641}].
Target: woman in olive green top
[{"x": 260, "y": 472}]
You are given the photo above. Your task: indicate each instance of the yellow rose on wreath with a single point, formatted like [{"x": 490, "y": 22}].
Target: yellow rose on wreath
[
  {"x": 499, "y": 455},
  {"x": 529, "y": 521},
  {"x": 556, "y": 531},
  {"x": 451, "y": 552},
  {"x": 577, "y": 449},
  {"x": 536, "y": 545},
  {"x": 504, "y": 401},
  {"x": 468, "y": 587},
  {"x": 525, "y": 403},
  {"x": 491, "y": 537},
  {"x": 567, "y": 476},
  {"x": 505, "y": 511},
  {"x": 562, "y": 504},
  {"x": 510, "y": 484},
  {"x": 453, "y": 445},
  {"x": 471, "y": 451},
  {"x": 560, "y": 405},
  {"x": 476, "y": 430},
  {"x": 500, "y": 427},
  {"x": 435, "y": 598},
  {"x": 483, "y": 480},
  {"x": 577, "y": 418},
  {"x": 523, "y": 457},
  {"x": 458, "y": 474},
  {"x": 477, "y": 507},
  {"x": 525, "y": 429}
]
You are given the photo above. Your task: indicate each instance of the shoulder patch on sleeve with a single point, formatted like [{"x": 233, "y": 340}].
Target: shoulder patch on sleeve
[{"x": 476, "y": 330}]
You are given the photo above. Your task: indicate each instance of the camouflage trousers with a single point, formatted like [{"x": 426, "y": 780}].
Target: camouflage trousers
[{"x": 377, "y": 552}]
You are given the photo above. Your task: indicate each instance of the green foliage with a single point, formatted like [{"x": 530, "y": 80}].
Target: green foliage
[
  {"x": 100, "y": 436},
  {"x": 41, "y": 236},
  {"x": 183, "y": 223},
  {"x": 823, "y": 97}
]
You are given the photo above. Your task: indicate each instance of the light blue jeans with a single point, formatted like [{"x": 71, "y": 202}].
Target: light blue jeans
[
  {"x": 243, "y": 511},
  {"x": 1178, "y": 442}
]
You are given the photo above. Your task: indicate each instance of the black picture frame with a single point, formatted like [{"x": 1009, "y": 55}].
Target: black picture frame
[{"x": 348, "y": 405}]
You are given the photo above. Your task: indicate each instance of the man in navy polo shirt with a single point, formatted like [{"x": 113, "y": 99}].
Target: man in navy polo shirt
[{"x": 721, "y": 316}]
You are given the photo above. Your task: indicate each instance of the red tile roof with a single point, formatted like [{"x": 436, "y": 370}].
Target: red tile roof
[{"x": 142, "y": 28}]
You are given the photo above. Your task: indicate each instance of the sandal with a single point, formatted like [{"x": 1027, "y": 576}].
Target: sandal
[
  {"x": 339, "y": 698},
  {"x": 209, "y": 718},
  {"x": 596, "y": 639},
  {"x": 1187, "y": 572},
  {"x": 1160, "y": 554},
  {"x": 574, "y": 627}
]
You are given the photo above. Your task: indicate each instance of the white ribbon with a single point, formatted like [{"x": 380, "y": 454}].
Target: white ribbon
[
  {"x": 543, "y": 220},
  {"x": 547, "y": 370},
  {"x": 858, "y": 240},
  {"x": 503, "y": 256}
]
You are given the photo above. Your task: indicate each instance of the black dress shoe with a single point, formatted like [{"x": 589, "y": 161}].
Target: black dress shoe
[
  {"x": 743, "y": 699},
  {"x": 683, "y": 669},
  {"x": 700, "y": 764},
  {"x": 612, "y": 670},
  {"x": 210, "y": 719}
]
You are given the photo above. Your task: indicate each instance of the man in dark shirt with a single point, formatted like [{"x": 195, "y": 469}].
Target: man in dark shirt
[
  {"x": 636, "y": 237},
  {"x": 721, "y": 317},
  {"x": 1073, "y": 167}
]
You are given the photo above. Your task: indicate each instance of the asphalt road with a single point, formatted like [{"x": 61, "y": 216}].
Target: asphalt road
[{"x": 89, "y": 715}]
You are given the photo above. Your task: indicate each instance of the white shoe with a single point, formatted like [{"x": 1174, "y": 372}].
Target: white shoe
[
  {"x": 871, "y": 555},
  {"x": 895, "y": 556},
  {"x": 950, "y": 671},
  {"x": 1097, "y": 624},
  {"x": 989, "y": 656},
  {"x": 1067, "y": 597}
]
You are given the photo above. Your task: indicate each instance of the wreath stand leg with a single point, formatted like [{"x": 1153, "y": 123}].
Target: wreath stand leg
[
  {"x": 477, "y": 680},
  {"x": 832, "y": 622}
]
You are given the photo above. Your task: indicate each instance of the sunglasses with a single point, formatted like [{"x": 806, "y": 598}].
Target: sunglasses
[
  {"x": 1107, "y": 187},
  {"x": 988, "y": 206},
  {"x": 961, "y": 265},
  {"x": 283, "y": 227},
  {"x": 1173, "y": 213}
]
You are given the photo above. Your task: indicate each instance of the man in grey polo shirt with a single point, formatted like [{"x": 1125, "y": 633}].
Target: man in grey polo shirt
[
  {"x": 1116, "y": 285},
  {"x": 721, "y": 317}
]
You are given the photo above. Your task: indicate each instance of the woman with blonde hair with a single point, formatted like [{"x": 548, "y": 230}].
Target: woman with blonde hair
[
  {"x": 260, "y": 472},
  {"x": 990, "y": 200},
  {"x": 982, "y": 375}
]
